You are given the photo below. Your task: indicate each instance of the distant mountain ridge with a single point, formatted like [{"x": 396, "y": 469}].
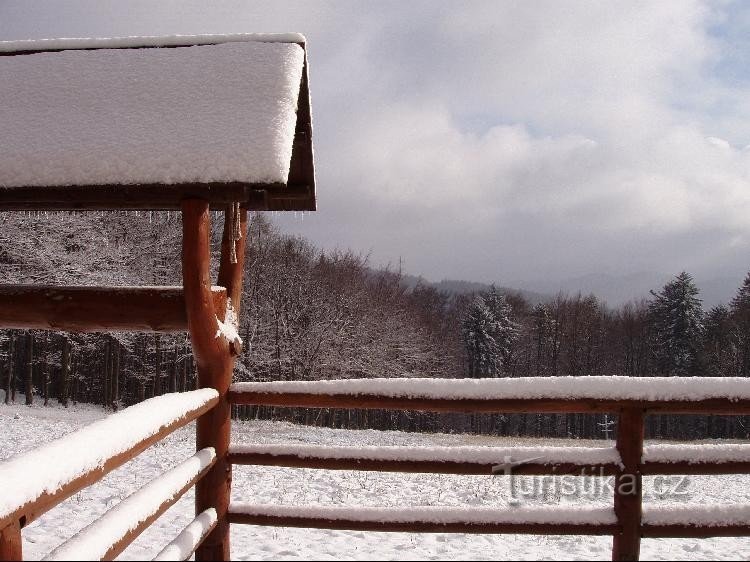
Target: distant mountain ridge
[
  {"x": 614, "y": 290},
  {"x": 462, "y": 287}
]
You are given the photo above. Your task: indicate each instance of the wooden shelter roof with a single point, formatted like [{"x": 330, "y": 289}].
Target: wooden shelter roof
[{"x": 145, "y": 122}]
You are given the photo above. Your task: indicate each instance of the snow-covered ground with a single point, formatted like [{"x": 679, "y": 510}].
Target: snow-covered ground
[{"x": 24, "y": 428}]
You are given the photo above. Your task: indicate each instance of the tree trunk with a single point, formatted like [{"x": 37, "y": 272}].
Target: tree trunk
[
  {"x": 29, "y": 386},
  {"x": 105, "y": 372},
  {"x": 65, "y": 372},
  {"x": 10, "y": 389},
  {"x": 157, "y": 375},
  {"x": 116, "y": 375},
  {"x": 173, "y": 372}
]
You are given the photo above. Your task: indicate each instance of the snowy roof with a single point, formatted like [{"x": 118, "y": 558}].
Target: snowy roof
[{"x": 161, "y": 118}]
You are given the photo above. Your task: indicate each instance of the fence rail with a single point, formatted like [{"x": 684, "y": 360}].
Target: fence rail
[{"x": 631, "y": 402}]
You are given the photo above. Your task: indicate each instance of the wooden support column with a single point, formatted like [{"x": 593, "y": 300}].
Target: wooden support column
[
  {"x": 214, "y": 358},
  {"x": 11, "y": 543},
  {"x": 628, "y": 485}
]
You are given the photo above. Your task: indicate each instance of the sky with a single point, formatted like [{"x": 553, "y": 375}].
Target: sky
[{"x": 517, "y": 142}]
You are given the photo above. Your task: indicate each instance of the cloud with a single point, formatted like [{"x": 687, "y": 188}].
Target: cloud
[{"x": 505, "y": 140}]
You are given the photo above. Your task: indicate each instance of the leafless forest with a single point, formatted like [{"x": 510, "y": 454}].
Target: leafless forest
[{"x": 313, "y": 314}]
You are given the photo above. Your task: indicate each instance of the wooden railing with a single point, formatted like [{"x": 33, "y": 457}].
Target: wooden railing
[
  {"x": 626, "y": 521},
  {"x": 198, "y": 307},
  {"x": 35, "y": 482}
]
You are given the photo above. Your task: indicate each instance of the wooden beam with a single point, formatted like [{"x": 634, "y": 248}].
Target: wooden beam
[
  {"x": 11, "y": 542},
  {"x": 694, "y": 468},
  {"x": 505, "y": 406},
  {"x": 694, "y": 531},
  {"x": 628, "y": 485},
  {"x": 418, "y": 466},
  {"x": 214, "y": 358},
  {"x": 96, "y": 309},
  {"x": 421, "y": 526},
  {"x": 255, "y": 197}
]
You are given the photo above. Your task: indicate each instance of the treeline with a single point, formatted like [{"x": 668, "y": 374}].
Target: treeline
[
  {"x": 309, "y": 314},
  {"x": 306, "y": 314}
]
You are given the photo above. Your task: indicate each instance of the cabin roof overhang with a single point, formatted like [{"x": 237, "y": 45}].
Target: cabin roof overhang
[{"x": 167, "y": 147}]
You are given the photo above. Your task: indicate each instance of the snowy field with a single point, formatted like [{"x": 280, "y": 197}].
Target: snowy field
[{"x": 24, "y": 428}]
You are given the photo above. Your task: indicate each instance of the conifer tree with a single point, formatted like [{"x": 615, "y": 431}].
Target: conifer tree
[
  {"x": 676, "y": 318},
  {"x": 740, "y": 311}
]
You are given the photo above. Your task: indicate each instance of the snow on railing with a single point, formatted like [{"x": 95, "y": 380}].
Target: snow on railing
[
  {"x": 483, "y": 455},
  {"x": 697, "y": 453},
  {"x": 524, "y": 388},
  {"x": 183, "y": 546},
  {"x": 433, "y": 519},
  {"x": 106, "y": 537},
  {"x": 38, "y": 480}
]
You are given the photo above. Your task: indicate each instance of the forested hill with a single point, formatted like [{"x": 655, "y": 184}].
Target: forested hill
[
  {"x": 462, "y": 287},
  {"x": 311, "y": 314}
]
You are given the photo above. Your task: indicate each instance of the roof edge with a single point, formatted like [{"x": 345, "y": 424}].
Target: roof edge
[{"x": 145, "y": 41}]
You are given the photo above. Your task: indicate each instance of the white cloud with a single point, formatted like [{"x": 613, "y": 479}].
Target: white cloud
[{"x": 498, "y": 140}]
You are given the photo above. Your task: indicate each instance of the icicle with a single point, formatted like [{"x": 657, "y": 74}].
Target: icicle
[{"x": 235, "y": 230}]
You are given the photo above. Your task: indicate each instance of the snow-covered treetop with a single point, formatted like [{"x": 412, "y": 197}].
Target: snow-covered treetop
[{"x": 103, "y": 113}]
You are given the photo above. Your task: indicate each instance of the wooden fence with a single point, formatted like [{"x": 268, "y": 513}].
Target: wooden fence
[
  {"x": 627, "y": 462},
  {"x": 629, "y": 526}
]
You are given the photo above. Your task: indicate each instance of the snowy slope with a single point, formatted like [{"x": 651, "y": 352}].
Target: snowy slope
[{"x": 25, "y": 427}]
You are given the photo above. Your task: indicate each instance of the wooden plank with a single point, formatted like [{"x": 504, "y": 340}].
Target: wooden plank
[
  {"x": 96, "y": 309},
  {"x": 519, "y": 405},
  {"x": 418, "y": 466},
  {"x": 421, "y": 526},
  {"x": 255, "y": 197},
  {"x": 214, "y": 358},
  {"x": 628, "y": 485},
  {"x": 122, "y": 532},
  {"x": 11, "y": 542},
  {"x": 694, "y": 468},
  {"x": 30, "y": 511},
  {"x": 694, "y": 531}
]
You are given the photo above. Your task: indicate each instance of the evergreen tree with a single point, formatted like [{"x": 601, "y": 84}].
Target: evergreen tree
[
  {"x": 481, "y": 348},
  {"x": 740, "y": 311},
  {"x": 541, "y": 330},
  {"x": 718, "y": 347},
  {"x": 676, "y": 317},
  {"x": 504, "y": 330}
]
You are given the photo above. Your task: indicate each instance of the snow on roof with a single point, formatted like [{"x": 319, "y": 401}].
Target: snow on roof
[
  {"x": 144, "y": 41},
  {"x": 563, "y": 388},
  {"x": 221, "y": 112}
]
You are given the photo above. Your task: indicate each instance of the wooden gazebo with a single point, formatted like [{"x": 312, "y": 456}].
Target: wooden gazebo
[{"x": 195, "y": 123}]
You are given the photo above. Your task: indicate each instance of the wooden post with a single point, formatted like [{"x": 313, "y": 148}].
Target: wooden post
[
  {"x": 11, "y": 543},
  {"x": 214, "y": 358},
  {"x": 628, "y": 486}
]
